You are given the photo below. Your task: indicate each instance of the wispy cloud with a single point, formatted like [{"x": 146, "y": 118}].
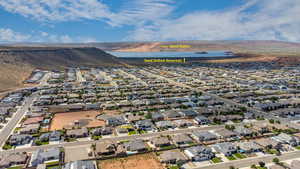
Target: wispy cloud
[
  {"x": 57, "y": 10},
  {"x": 8, "y": 35},
  {"x": 133, "y": 11},
  {"x": 259, "y": 20},
  {"x": 154, "y": 19}
]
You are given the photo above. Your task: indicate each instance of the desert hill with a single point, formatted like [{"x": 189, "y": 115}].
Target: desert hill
[{"x": 17, "y": 63}]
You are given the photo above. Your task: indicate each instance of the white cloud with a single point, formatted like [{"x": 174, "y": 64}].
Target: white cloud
[
  {"x": 8, "y": 35},
  {"x": 153, "y": 19},
  {"x": 57, "y": 10},
  {"x": 133, "y": 12},
  {"x": 259, "y": 20}
]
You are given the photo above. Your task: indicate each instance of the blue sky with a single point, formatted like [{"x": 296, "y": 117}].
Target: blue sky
[{"x": 148, "y": 20}]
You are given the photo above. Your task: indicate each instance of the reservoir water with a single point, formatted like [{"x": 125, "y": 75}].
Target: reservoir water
[{"x": 171, "y": 54}]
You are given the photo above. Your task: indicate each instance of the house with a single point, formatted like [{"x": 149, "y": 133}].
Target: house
[
  {"x": 199, "y": 153},
  {"x": 44, "y": 137},
  {"x": 77, "y": 133},
  {"x": 172, "y": 157},
  {"x": 80, "y": 165},
  {"x": 52, "y": 136},
  {"x": 202, "y": 120},
  {"x": 55, "y": 136},
  {"x": 156, "y": 116},
  {"x": 33, "y": 120},
  {"x": 20, "y": 139},
  {"x": 269, "y": 143},
  {"x": 287, "y": 139},
  {"x": 183, "y": 123},
  {"x": 115, "y": 121},
  {"x": 261, "y": 128},
  {"x": 112, "y": 120},
  {"x": 181, "y": 139},
  {"x": 203, "y": 136},
  {"x": 135, "y": 146},
  {"x": 133, "y": 117},
  {"x": 249, "y": 147},
  {"x": 243, "y": 131},
  {"x": 102, "y": 131},
  {"x": 226, "y": 148},
  {"x": 40, "y": 156},
  {"x": 122, "y": 130},
  {"x": 9, "y": 160},
  {"x": 146, "y": 125},
  {"x": 225, "y": 134},
  {"x": 105, "y": 148},
  {"x": 164, "y": 125},
  {"x": 30, "y": 129},
  {"x": 172, "y": 114},
  {"x": 188, "y": 113},
  {"x": 160, "y": 141}
]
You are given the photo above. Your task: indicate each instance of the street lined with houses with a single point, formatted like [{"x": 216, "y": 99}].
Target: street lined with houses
[{"x": 175, "y": 116}]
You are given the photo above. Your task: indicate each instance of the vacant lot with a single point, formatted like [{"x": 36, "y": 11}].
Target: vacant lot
[
  {"x": 82, "y": 152},
  {"x": 82, "y": 119},
  {"x": 145, "y": 161}
]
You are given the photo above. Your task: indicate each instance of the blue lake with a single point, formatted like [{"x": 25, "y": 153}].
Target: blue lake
[{"x": 169, "y": 54}]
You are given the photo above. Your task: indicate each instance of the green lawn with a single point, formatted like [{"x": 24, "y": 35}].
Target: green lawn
[
  {"x": 96, "y": 137},
  {"x": 143, "y": 132},
  {"x": 53, "y": 163},
  {"x": 55, "y": 166},
  {"x": 168, "y": 147},
  {"x": 39, "y": 143},
  {"x": 132, "y": 133},
  {"x": 240, "y": 156},
  {"x": 16, "y": 167},
  {"x": 259, "y": 167},
  {"x": 216, "y": 160},
  {"x": 298, "y": 147},
  {"x": 272, "y": 151},
  {"x": 174, "y": 167},
  {"x": 230, "y": 158},
  {"x": 7, "y": 147}
]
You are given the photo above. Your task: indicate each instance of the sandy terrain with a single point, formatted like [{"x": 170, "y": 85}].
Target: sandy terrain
[
  {"x": 82, "y": 152},
  {"x": 66, "y": 120},
  {"x": 145, "y": 161}
]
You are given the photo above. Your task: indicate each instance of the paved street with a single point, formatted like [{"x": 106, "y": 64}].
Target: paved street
[
  {"x": 249, "y": 161},
  {"x": 9, "y": 127},
  {"x": 77, "y": 143}
]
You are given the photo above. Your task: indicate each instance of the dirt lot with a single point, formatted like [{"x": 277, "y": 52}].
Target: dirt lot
[
  {"x": 83, "y": 118},
  {"x": 82, "y": 152},
  {"x": 145, "y": 161}
]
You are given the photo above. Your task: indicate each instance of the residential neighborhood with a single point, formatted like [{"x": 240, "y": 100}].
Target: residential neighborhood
[{"x": 177, "y": 116}]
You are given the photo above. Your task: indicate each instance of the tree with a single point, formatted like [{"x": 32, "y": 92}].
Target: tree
[
  {"x": 276, "y": 160},
  {"x": 230, "y": 127},
  {"x": 38, "y": 142},
  {"x": 271, "y": 121},
  {"x": 262, "y": 164}
]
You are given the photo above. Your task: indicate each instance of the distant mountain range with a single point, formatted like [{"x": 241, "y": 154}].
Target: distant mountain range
[
  {"x": 19, "y": 59},
  {"x": 254, "y": 46}
]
